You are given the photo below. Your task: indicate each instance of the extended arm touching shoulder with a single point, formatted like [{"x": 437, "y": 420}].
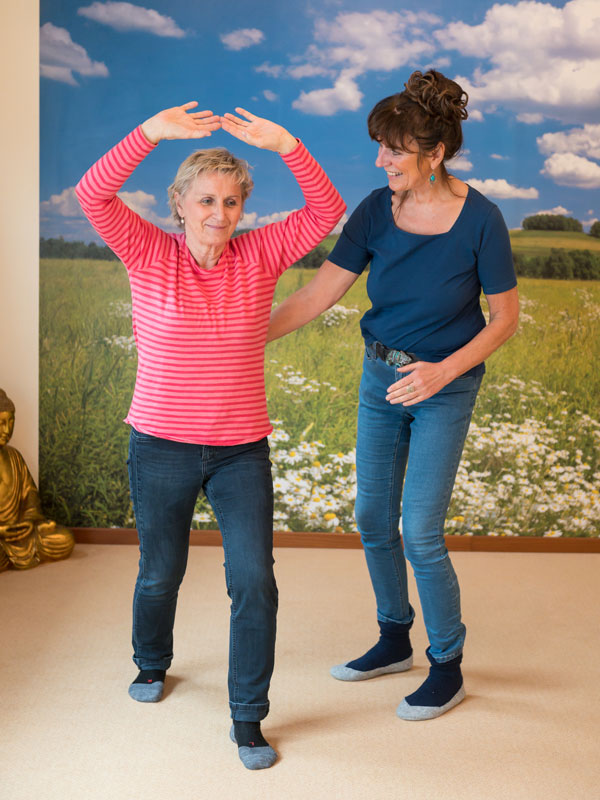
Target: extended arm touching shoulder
[{"x": 324, "y": 290}]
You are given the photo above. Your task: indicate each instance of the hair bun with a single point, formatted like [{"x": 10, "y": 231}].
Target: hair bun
[{"x": 437, "y": 95}]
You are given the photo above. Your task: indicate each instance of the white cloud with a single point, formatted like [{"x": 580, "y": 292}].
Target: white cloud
[
  {"x": 272, "y": 70},
  {"x": 242, "y": 38},
  {"x": 127, "y": 17},
  {"x": 556, "y": 210},
  {"x": 543, "y": 59},
  {"x": 587, "y": 223},
  {"x": 584, "y": 141},
  {"x": 308, "y": 71},
  {"x": 60, "y": 56},
  {"x": 502, "y": 189},
  {"x": 343, "y": 96},
  {"x": 64, "y": 204},
  {"x": 143, "y": 204},
  {"x": 277, "y": 216},
  {"x": 354, "y": 43},
  {"x": 248, "y": 220},
  {"x": 341, "y": 223},
  {"x": 475, "y": 115},
  {"x": 499, "y": 157},
  {"x": 567, "y": 169},
  {"x": 530, "y": 119},
  {"x": 270, "y": 96},
  {"x": 460, "y": 162}
]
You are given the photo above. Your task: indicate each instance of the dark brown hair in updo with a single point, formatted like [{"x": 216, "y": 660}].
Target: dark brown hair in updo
[{"x": 430, "y": 110}]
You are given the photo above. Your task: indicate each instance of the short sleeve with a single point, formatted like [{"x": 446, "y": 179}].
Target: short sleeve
[
  {"x": 495, "y": 265},
  {"x": 351, "y": 251}
]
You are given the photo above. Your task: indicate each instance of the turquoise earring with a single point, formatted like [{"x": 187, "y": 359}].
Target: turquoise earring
[{"x": 432, "y": 178}]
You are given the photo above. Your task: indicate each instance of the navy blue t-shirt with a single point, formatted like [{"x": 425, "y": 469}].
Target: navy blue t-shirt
[{"x": 425, "y": 289}]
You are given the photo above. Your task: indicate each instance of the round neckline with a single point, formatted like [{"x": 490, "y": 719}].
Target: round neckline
[
  {"x": 218, "y": 267},
  {"x": 423, "y": 235}
]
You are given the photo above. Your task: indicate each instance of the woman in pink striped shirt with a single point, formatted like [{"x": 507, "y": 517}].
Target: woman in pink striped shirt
[{"x": 201, "y": 303}]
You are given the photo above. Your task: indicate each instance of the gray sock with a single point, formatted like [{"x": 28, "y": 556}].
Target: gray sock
[
  {"x": 255, "y": 757},
  {"x": 148, "y": 686}
]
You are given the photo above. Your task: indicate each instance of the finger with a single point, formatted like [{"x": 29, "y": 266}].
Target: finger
[
  {"x": 234, "y": 130},
  {"x": 235, "y": 120},
  {"x": 407, "y": 367},
  {"x": 246, "y": 114},
  {"x": 191, "y": 104},
  {"x": 202, "y": 114}
]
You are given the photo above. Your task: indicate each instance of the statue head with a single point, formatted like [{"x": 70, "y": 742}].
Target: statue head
[{"x": 7, "y": 418}]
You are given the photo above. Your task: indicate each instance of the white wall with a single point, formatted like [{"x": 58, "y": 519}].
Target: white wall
[{"x": 19, "y": 227}]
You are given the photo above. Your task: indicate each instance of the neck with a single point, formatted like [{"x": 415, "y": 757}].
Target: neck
[{"x": 206, "y": 256}]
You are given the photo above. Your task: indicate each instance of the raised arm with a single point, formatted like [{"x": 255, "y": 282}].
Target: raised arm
[
  {"x": 279, "y": 245},
  {"x": 121, "y": 228},
  {"x": 324, "y": 290}
]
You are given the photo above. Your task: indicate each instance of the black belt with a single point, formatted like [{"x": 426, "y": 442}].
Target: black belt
[{"x": 397, "y": 358}]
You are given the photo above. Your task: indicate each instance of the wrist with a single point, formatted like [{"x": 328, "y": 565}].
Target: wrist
[
  {"x": 287, "y": 144},
  {"x": 149, "y": 132}
]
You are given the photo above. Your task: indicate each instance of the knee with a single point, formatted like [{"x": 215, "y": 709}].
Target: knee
[
  {"x": 253, "y": 583},
  {"x": 375, "y": 523},
  {"x": 423, "y": 548}
]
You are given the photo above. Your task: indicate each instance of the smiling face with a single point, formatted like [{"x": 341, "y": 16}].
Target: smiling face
[
  {"x": 211, "y": 208},
  {"x": 7, "y": 424},
  {"x": 404, "y": 169}
]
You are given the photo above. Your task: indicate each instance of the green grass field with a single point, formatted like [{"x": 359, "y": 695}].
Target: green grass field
[{"x": 531, "y": 463}]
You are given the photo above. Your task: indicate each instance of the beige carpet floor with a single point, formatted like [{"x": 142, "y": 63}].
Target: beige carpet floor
[{"x": 529, "y": 727}]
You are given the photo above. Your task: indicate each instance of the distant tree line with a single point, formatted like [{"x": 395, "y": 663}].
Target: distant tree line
[
  {"x": 565, "y": 264},
  {"x": 59, "y": 248},
  {"x": 552, "y": 222}
]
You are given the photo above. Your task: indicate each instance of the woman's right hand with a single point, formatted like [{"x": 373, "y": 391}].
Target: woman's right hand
[{"x": 177, "y": 123}]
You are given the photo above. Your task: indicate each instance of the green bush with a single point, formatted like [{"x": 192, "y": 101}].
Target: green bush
[
  {"x": 314, "y": 259},
  {"x": 551, "y": 222},
  {"x": 563, "y": 264},
  {"x": 595, "y": 229}
]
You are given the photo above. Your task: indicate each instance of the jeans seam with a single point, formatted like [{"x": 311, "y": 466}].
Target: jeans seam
[{"x": 390, "y": 509}]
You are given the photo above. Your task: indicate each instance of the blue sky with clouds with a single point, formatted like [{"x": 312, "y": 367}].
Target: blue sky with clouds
[{"x": 532, "y": 71}]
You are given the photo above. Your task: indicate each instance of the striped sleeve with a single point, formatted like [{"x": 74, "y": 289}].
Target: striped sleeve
[
  {"x": 283, "y": 243},
  {"x": 133, "y": 239}
]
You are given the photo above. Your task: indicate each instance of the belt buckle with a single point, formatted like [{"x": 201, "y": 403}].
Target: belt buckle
[{"x": 398, "y": 358}]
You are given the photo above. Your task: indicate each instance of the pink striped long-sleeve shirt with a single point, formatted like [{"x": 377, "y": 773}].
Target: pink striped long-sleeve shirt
[{"x": 201, "y": 333}]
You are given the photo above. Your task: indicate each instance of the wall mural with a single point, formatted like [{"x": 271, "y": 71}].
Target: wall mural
[{"x": 532, "y": 145}]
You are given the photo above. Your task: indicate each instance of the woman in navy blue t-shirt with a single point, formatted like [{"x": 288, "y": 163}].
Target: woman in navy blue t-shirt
[{"x": 433, "y": 243}]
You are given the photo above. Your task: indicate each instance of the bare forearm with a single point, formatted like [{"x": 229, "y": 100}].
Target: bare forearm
[
  {"x": 320, "y": 293},
  {"x": 295, "y": 311},
  {"x": 480, "y": 347}
]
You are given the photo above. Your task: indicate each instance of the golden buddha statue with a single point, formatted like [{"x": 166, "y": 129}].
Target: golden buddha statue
[{"x": 26, "y": 536}]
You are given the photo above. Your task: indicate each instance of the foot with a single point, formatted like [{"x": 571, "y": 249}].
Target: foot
[
  {"x": 392, "y": 653},
  {"x": 253, "y": 749},
  {"x": 440, "y": 692},
  {"x": 148, "y": 686}
]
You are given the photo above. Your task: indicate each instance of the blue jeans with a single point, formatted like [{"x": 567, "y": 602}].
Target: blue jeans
[
  {"x": 410, "y": 456},
  {"x": 165, "y": 479}
]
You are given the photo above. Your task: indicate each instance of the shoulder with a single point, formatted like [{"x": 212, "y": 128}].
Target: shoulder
[{"x": 479, "y": 203}]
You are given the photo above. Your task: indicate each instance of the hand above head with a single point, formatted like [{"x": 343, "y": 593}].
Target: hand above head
[
  {"x": 178, "y": 123},
  {"x": 259, "y": 132}
]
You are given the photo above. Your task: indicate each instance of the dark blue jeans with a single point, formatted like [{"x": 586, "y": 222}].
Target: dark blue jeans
[
  {"x": 409, "y": 457},
  {"x": 165, "y": 479}
]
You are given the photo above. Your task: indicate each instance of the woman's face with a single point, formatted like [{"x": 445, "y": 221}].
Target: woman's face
[
  {"x": 402, "y": 167},
  {"x": 211, "y": 208}
]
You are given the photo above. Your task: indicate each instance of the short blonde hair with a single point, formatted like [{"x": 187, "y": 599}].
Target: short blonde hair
[{"x": 214, "y": 159}]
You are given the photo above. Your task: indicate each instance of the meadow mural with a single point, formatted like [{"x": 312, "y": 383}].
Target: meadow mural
[{"x": 531, "y": 463}]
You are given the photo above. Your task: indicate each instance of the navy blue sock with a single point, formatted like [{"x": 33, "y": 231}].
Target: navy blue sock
[
  {"x": 444, "y": 681},
  {"x": 393, "y": 646},
  {"x": 248, "y": 734},
  {"x": 150, "y": 675}
]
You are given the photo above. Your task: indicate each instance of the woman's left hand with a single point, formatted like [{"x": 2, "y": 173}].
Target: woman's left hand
[
  {"x": 259, "y": 132},
  {"x": 423, "y": 380}
]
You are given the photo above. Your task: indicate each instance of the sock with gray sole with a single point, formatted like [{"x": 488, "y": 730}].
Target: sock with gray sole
[
  {"x": 440, "y": 692},
  {"x": 253, "y": 749},
  {"x": 148, "y": 686},
  {"x": 392, "y": 653}
]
